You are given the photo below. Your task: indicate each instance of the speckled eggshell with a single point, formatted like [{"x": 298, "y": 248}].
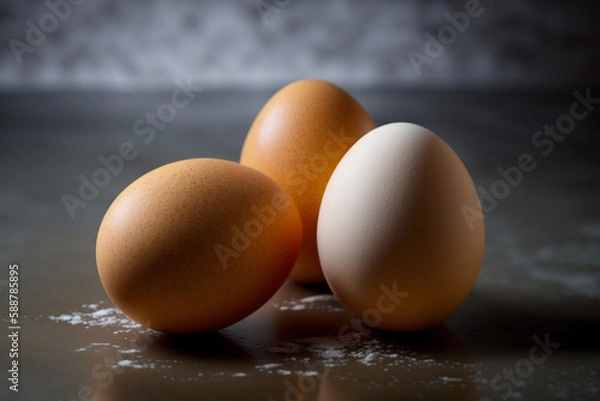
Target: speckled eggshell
[
  {"x": 401, "y": 234},
  {"x": 298, "y": 138},
  {"x": 197, "y": 245}
]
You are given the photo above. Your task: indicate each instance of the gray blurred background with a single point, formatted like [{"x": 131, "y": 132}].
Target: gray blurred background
[{"x": 266, "y": 43}]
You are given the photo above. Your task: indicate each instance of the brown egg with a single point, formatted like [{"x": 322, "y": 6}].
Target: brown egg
[
  {"x": 197, "y": 245},
  {"x": 298, "y": 138}
]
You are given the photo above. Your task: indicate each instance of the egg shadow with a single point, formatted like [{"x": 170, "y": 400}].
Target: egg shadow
[
  {"x": 322, "y": 288},
  {"x": 207, "y": 346},
  {"x": 495, "y": 323},
  {"x": 433, "y": 347},
  {"x": 436, "y": 354},
  {"x": 439, "y": 342},
  {"x": 335, "y": 321}
]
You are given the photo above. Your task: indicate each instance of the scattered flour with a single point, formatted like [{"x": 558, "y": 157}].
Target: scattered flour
[
  {"x": 341, "y": 350},
  {"x": 268, "y": 366},
  {"x": 319, "y": 298},
  {"x": 297, "y": 354},
  {"x": 92, "y": 316},
  {"x": 284, "y": 372},
  {"x": 95, "y": 345},
  {"x": 325, "y": 302},
  {"x": 371, "y": 358},
  {"x": 307, "y": 373},
  {"x": 447, "y": 379},
  {"x": 131, "y": 364}
]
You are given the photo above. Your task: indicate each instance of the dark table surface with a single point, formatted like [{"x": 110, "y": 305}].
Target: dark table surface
[{"x": 540, "y": 277}]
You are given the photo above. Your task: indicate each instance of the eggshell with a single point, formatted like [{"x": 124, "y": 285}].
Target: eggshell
[
  {"x": 298, "y": 138},
  {"x": 397, "y": 239},
  {"x": 197, "y": 245}
]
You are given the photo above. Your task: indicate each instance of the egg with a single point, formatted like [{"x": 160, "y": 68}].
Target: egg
[
  {"x": 400, "y": 232},
  {"x": 298, "y": 138},
  {"x": 197, "y": 245}
]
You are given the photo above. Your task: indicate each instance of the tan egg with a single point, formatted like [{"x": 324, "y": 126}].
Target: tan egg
[
  {"x": 401, "y": 234},
  {"x": 298, "y": 138},
  {"x": 197, "y": 245}
]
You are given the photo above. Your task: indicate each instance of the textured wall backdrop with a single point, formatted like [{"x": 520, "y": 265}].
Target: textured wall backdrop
[{"x": 132, "y": 44}]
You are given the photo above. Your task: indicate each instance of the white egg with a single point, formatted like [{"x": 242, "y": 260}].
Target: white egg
[{"x": 400, "y": 232}]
